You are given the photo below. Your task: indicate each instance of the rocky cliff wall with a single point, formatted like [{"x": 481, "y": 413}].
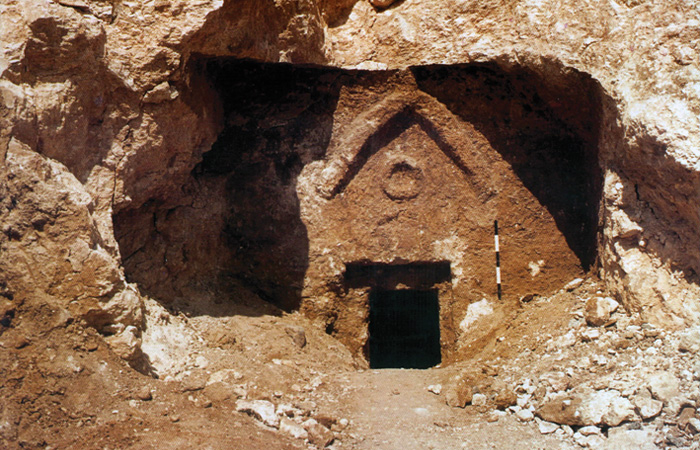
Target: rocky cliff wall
[{"x": 104, "y": 111}]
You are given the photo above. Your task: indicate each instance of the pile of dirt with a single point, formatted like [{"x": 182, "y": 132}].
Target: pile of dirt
[{"x": 64, "y": 388}]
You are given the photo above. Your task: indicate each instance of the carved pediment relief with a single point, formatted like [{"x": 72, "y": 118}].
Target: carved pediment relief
[{"x": 388, "y": 119}]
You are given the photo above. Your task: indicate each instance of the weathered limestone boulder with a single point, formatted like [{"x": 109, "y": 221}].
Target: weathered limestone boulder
[
  {"x": 663, "y": 385},
  {"x": 647, "y": 407},
  {"x": 605, "y": 408}
]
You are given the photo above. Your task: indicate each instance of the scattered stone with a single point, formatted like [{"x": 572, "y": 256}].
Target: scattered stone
[
  {"x": 646, "y": 406},
  {"x": 326, "y": 421},
  {"x": 240, "y": 391},
  {"x": 435, "y": 389},
  {"x": 598, "y": 310},
  {"x": 606, "y": 408},
  {"x": 573, "y": 284},
  {"x": 340, "y": 425},
  {"x": 203, "y": 402},
  {"x": 524, "y": 415},
  {"x": 298, "y": 335},
  {"x": 285, "y": 409},
  {"x": 495, "y": 416},
  {"x": 143, "y": 393},
  {"x": 225, "y": 375},
  {"x": 201, "y": 362},
  {"x": 307, "y": 405},
  {"x": 528, "y": 298},
  {"x": 690, "y": 341},
  {"x": 218, "y": 392},
  {"x": 547, "y": 427},
  {"x": 262, "y": 410},
  {"x": 626, "y": 439},
  {"x": 523, "y": 400},
  {"x": 590, "y": 335},
  {"x": 505, "y": 398},
  {"x": 589, "y": 430},
  {"x": 161, "y": 93},
  {"x": 458, "y": 395},
  {"x": 293, "y": 429},
  {"x": 663, "y": 385},
  {"x": 127, "y": 344},
  {"x": 694, "y": 425},
  {"x": 685, "y": 415},
  {"x": 652, "y": 333},
  {"x": 478, "y": 400},
  {"x": 674, "y": 406},
  {"x": 559, "y": 381},
  {"x": 193, "y": 383},
  {"x": 319, "y": 435},
  {"x": 91, "y": 346},
  {"x": 593, "y": 441},
  {"x": 675, "y": 437}
]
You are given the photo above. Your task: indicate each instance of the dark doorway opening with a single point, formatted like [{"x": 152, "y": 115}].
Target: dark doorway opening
[{"x": 404, "y": 329}]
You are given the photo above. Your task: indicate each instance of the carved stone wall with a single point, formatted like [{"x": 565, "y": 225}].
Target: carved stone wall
[{"x": 317, "y": 170}]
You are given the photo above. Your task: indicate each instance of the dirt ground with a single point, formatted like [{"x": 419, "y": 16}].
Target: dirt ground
[{"x": 62, "y": 387}]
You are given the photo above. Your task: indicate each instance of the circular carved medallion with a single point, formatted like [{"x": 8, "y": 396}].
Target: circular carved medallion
[{"x": 403, "y": 181}]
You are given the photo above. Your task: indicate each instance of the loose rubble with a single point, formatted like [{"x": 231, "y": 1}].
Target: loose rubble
[{"x": 609, "y": 381}]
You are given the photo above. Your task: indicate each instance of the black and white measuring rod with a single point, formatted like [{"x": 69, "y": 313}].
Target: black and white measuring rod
[{"x": 498, "y": 257}]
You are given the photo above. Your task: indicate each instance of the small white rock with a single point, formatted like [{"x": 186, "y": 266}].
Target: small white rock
[
  {"x": 523, "y": 400},
  {"x": 590, "y": 334},
  {"x": 589, "y": 430},
  {"x": 478, "y": 400},
  {"x": 262, "y": 410},
  {"x": 573, "y": 284},
  {"x": 524, "y": 415},
  {"x": 547, "y": 427},
  {"x": 435, "y": 389}
]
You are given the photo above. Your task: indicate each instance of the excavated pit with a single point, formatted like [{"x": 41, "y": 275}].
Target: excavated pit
[{"x": 334, "y": 192}]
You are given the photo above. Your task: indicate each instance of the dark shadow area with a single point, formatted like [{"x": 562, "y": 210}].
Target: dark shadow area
[
  {"x": 417, "y": 275},
  {"x": 548, "y": 132},
  {"x": 278, "y": 117},
  {"x": 404, "y": 329}
]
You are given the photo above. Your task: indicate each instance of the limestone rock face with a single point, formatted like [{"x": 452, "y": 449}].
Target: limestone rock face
[{"x": 106, "y": 109}]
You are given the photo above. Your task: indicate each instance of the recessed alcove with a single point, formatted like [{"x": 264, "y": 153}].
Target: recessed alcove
[{"x": 332, "y": 190}]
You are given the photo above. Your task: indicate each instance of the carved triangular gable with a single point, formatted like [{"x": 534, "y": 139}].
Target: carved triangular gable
[{"x": 357, "y": 142}]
